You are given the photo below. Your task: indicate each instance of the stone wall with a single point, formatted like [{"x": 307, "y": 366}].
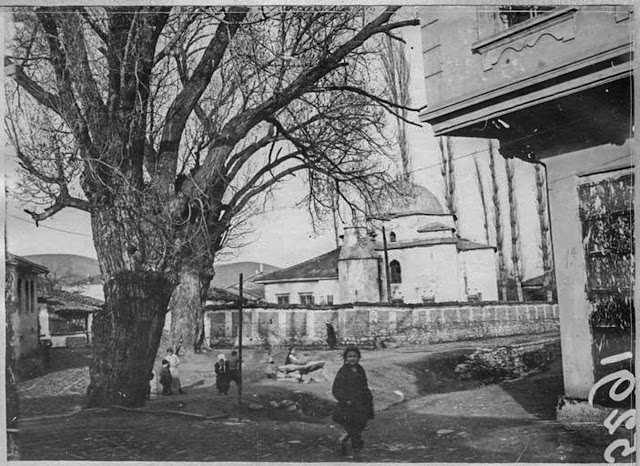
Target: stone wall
[
  {"x": 366, "y": 324},
  {"x": 491, "y": 365}
]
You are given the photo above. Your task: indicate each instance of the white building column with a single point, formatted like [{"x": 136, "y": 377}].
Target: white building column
[
  {"x": 311, "y": 325},
  {"x": 89, "y": 327},
  {"x": 228, "y": 324},
  {"x": 207, "y": 328},
  {"x": 43, "y": 322}
]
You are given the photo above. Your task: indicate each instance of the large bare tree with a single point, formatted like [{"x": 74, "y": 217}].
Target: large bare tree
[
  {"x": 447, "y": 170},
  {"x": 497, "y": 221},
  {"x": 545, "y": 239},
  {"x": 516, "y": 256},
  {"x": 396, "y": 74},
  {"x": 92, "y": 73}
]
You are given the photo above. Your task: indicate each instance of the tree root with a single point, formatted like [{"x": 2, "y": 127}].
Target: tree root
[{"x": 148, "y": 411}]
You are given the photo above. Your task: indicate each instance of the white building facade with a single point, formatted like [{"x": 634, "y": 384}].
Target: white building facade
[{"x": 425, "y": 259}]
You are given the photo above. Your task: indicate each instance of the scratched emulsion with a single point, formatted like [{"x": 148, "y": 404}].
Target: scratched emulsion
[{"x": 606, "y": 214}]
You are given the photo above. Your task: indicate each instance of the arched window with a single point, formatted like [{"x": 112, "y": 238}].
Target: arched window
[
  {"x": 392, "y": 237},
  {"x": 395, "y": 273}
]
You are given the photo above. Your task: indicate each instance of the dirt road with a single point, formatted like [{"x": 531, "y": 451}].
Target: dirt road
[{"x": 423, "y": 414}]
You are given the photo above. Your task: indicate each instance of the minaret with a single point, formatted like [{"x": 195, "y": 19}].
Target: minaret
[{"x": 358, "y": 268}]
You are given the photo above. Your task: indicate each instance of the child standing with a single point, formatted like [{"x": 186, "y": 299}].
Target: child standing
[
  {"x": 174, "y": 362},
  {"x": 165, "y": 378},
  {"x": 355, "y": 400}
]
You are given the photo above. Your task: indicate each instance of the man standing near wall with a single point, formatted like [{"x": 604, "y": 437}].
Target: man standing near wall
[
  {"x": 332, "y": 339},
  {"x": 234, "y": 368}
]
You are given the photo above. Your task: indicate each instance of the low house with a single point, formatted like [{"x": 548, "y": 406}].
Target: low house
[
  {"x": 21, "y": 301},
  {"x": 65, "y": 318},
  {"x": 426, "y": 262},
  {"x": 311, "y": 282}
]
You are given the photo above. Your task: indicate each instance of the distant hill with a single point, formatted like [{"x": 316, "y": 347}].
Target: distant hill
[
  {"x": 69, "y": 268},
  {"x": 226, "y": 277},
  {"x": 72, "y": 270}
]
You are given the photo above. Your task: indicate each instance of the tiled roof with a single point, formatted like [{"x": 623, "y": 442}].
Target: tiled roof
[
  {"x": 37, "y": 268},
  {"x": 434, "y": 226},
  {"x": 468, "y": 245},
  {"x": 535, "y": 281},
  {"x": 59, "y": 300},
  {"x": 320, "y": 267}
]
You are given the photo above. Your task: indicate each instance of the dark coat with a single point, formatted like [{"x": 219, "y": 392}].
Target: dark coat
[
  {"x": 165, "y": 380},
  {"x": 222, "y": 376},
  {"x": 355, "y": 400},
  {"x": 332, "y": 339}
]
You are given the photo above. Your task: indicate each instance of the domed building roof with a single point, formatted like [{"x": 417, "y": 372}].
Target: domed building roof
[{"x": 411, "y": 199}]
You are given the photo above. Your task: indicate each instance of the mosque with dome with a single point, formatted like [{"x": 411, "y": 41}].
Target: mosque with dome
[{"x": 423, "y": 260}]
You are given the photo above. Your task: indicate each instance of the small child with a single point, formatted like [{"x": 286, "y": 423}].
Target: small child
[
  {"x": 270, "y": 370},
  {"x": 165, "y": 378}
]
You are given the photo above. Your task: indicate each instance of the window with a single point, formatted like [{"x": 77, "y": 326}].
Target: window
[
  {"x": 306, "y": 299},
  {"x": 330, "y": 299},
  {"x": 30, "y": 304},
  {"x": 20, "y": 296},
  {"x": 27, "y": 295},
  {"x": 395, "y": 273},
  {"x": 283, "y": 299},
  {"x": 392, "y": 237},
  {"x": 34, "y": 296},
  {"x": 515, "y": 14}
]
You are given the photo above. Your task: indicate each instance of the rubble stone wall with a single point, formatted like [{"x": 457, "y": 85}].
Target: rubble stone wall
[{"x": 368, "y": 324}]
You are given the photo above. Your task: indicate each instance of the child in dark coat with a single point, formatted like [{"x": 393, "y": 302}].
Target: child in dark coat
[
  {"x": 355, "y": 401},
  {"x": 165, "y": 378}
]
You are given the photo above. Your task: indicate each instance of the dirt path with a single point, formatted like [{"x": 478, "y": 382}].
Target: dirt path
[{"x": 441, "y": 419}]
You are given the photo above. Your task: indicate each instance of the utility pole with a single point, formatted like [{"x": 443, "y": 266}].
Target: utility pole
[
  {"x": 335, "y": 204},
  {"x": 386, "y": 264},
  {"x": 240, "y": 350}
]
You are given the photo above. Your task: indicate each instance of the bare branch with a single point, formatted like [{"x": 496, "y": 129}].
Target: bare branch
[
  {"x": 387, "y": 104},
  {"x": 48, "y": 99},
  {"x": 186, "y": 100},
  {"x": 94, "y": 24},
  {"x": 61, "y": 201}
]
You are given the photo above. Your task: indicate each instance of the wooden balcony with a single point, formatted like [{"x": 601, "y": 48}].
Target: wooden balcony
[{"x": 478, "y": 71}]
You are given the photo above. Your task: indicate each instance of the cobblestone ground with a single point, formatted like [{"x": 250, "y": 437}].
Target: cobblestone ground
[{"x": 56, "y": 393}]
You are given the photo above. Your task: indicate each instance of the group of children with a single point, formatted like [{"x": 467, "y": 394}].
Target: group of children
[
  {"x": 350, "y": 388},
  {"x": 169, "y": 375}
]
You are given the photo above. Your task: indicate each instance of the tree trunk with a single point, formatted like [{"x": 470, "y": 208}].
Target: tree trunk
[
  {"x": 139, "y": 275},
  {"x": 516, "y": 260},
  {"x": 126, "y": 338},
  {"x": 545, "y": 242},
  {"x": 502, "y": 272},
  {"x": 187, "y": 308}
]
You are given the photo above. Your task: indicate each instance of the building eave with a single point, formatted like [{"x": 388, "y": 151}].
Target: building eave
[
  {"x": 300, "y": 279},
  {"x": 418, "y": 243},
  {"x": 453, "y": 117}
]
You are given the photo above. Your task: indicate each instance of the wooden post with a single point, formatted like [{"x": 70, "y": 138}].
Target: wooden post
[
  {"x": 386, "y": 264},
  {"x": 240, "y": 350}
]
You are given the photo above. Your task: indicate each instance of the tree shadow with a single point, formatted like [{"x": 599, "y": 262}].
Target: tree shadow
[
  {"x": 435, "y": 372},
  {"x": 59, "y": 359}
]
